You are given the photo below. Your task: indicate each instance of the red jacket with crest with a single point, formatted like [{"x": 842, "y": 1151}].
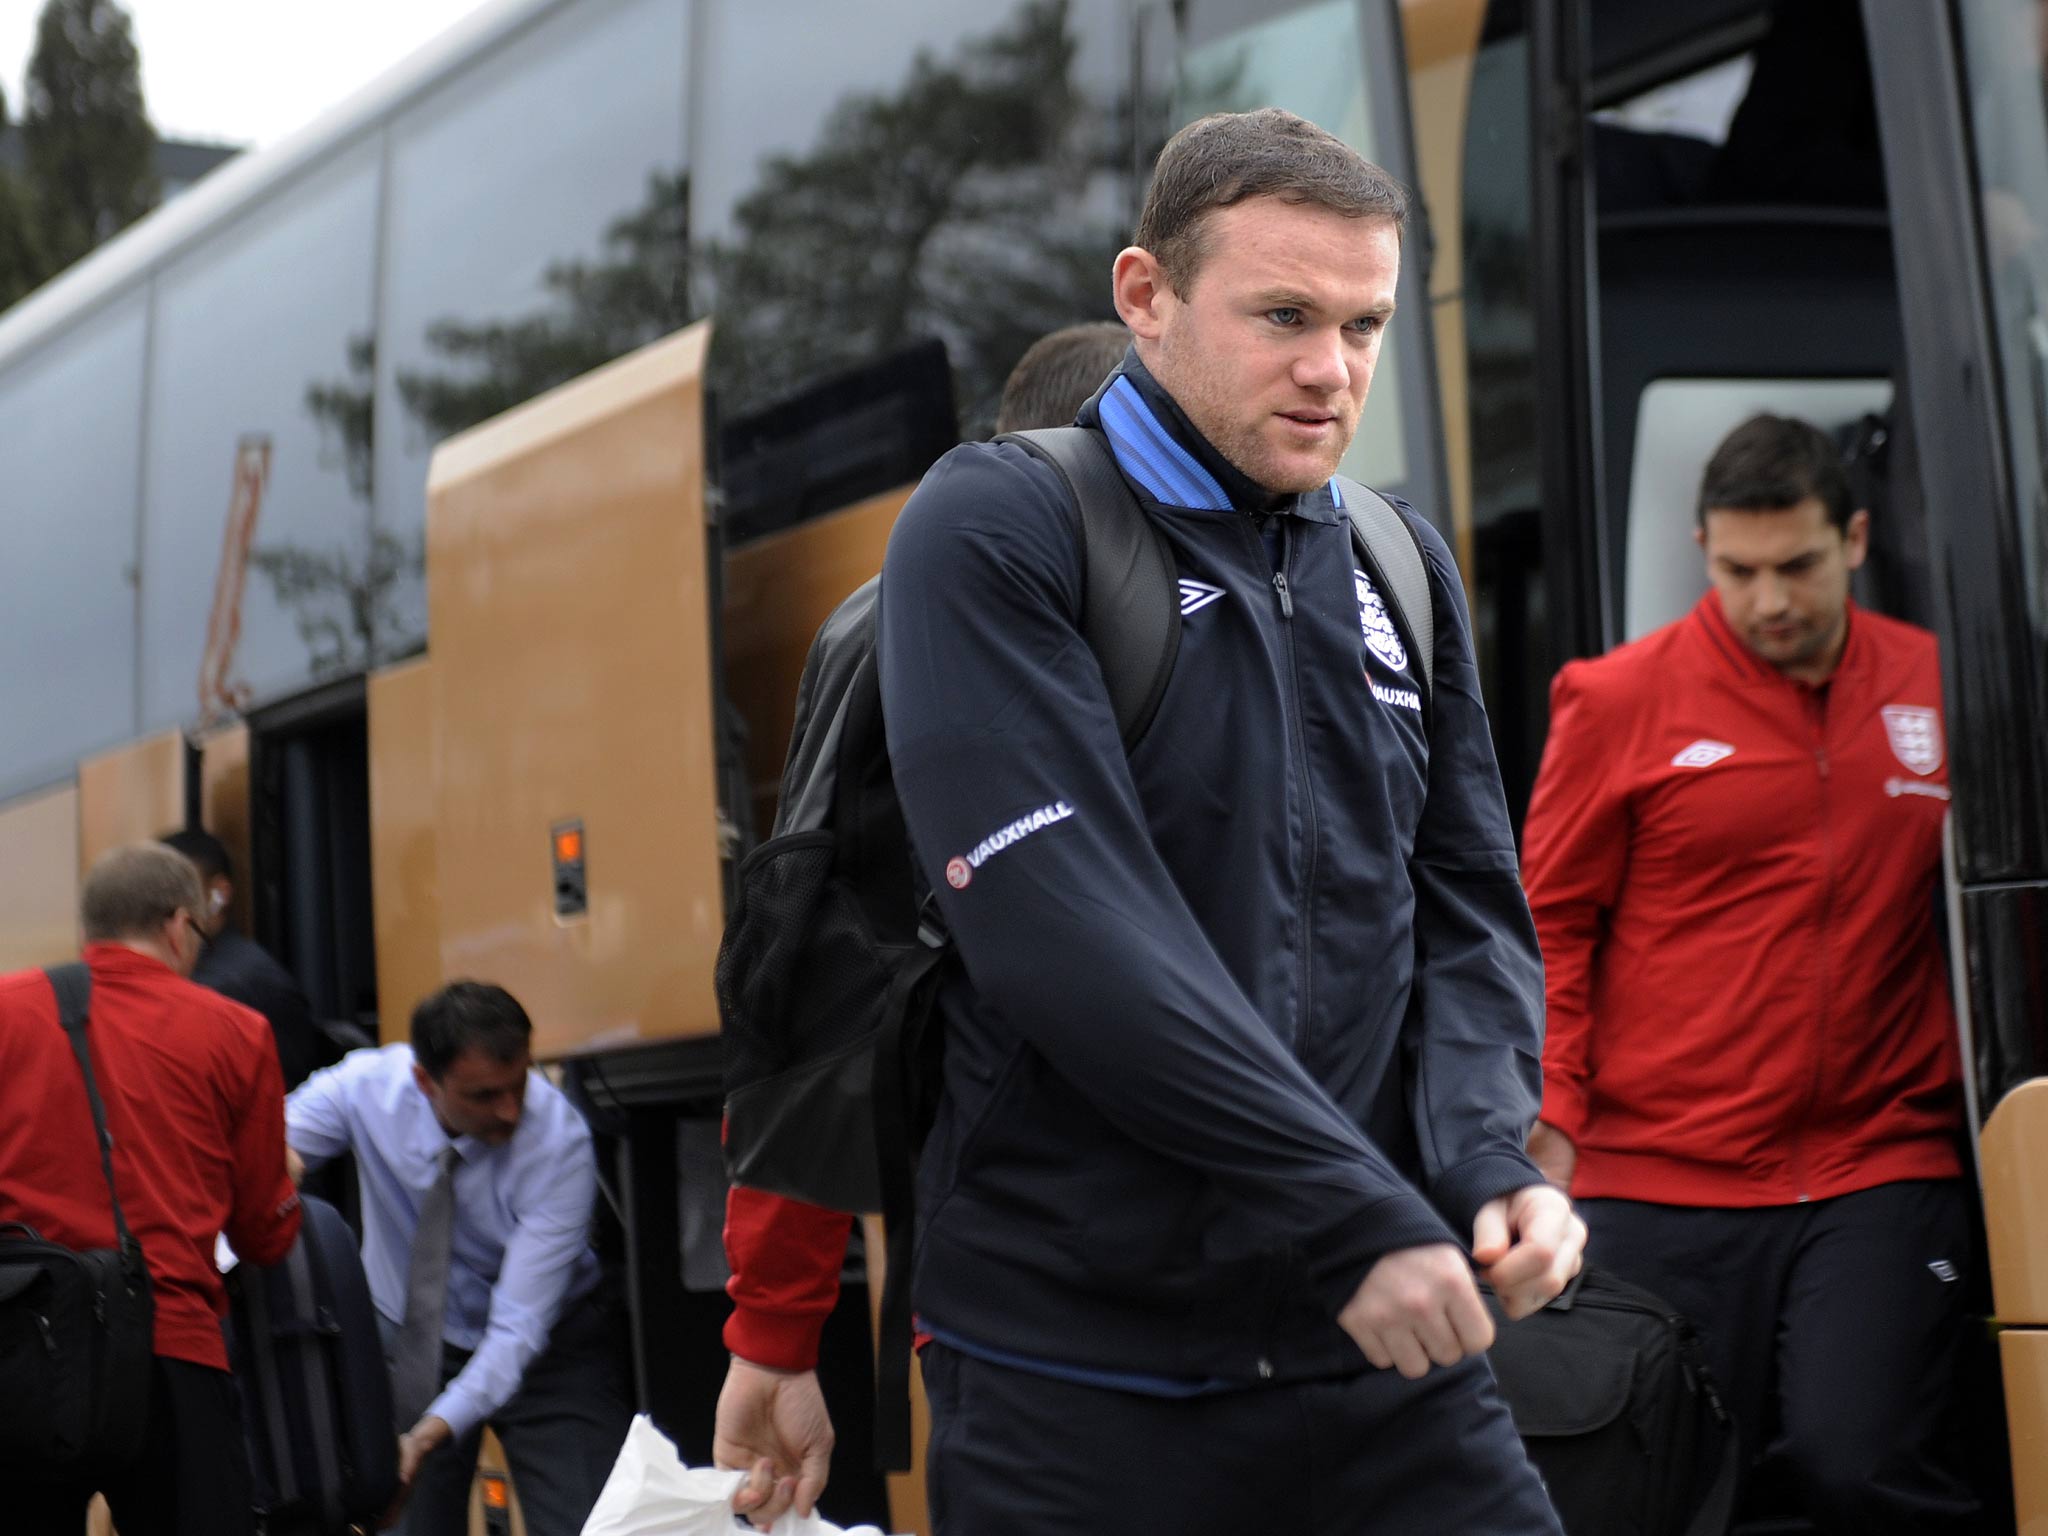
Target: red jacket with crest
[{"x": 1734, "y": 876}]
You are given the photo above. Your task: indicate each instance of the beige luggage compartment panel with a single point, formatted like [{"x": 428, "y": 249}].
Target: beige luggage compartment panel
[
  {"x": 778, "y": 590},
  {"x": 39, "y": 897},
  {"x": 2023, "y": 1359},
  {"x": 130, "y": 795},
  {"x": 571, "y": 680},
  {"x": 2014, "y": 1151},
  {"x": 224, "y": 807},
  {"x": 404, "y": 870}
]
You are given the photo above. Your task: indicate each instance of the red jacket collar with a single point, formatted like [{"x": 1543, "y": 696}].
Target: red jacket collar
[
  {"x": 1714, "y": 629},
  {"x": 121, "y": 959}
]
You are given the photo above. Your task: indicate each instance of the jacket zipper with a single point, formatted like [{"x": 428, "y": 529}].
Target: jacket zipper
[
  {"x": 1305, "y": 900},
  {"x": 1827, "y": 912}
]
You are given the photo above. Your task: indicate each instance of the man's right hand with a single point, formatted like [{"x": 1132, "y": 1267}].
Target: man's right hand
[
  {"x": 773, "y": 1426},
  {"x": 1418, "y": 1306},
  {"x": 1553, "y": 1154}
]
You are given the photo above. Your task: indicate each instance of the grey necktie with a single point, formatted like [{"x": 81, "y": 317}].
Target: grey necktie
[{"x": 416, "y": 1372}]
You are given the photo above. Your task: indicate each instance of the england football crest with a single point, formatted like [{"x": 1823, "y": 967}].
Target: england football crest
[
  {"x": 1915, "y": 736},
  {"x": 1380, "y": 633}
]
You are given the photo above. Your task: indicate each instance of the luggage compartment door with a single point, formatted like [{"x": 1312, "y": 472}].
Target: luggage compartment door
[{"x": 576, "y": 823}]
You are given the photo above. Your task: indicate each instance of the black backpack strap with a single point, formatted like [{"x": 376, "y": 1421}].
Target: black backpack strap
[
  {"x": 1130, "y": 608},
  {"x": 73, "y": 985},
  {"x": 1395, "y": 554},
  {"x": 897, "y": 1052}
]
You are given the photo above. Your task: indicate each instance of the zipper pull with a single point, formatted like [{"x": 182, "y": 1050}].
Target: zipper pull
[{"x": 1286, "y": 598}]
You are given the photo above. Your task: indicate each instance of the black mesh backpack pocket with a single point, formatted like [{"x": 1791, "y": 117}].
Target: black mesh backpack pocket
[{"x": 816, "y": 1010}]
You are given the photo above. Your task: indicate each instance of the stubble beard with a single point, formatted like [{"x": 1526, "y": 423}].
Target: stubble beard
[{"x": 1273, "y": 468}]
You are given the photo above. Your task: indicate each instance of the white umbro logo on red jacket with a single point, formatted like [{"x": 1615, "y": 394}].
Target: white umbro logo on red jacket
[{"x": 1702, "y": 754}]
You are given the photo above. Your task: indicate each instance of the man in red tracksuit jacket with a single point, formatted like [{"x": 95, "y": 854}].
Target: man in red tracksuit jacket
[
  {"x": 1751, "y": 1082},
  {"x": 195, "y": 1109}
]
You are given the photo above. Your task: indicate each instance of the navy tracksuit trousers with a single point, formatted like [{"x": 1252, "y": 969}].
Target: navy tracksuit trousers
[
  {"x": 1018, "y": 1454},
  {"x": 1835, "y": 1328}
]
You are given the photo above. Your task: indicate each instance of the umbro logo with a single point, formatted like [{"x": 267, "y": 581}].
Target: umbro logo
[
  {"x": 1944, "y": 1271},
  {"x": 1196, "y": 594},
  {"x": 1703, "y": 754}
]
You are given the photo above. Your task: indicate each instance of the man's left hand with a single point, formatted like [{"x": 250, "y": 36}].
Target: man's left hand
[
  {"x": 1527, "y": 1246},
  {"x": 414, "y": 1447}
]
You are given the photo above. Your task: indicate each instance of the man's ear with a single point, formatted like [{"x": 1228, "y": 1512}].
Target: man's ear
[
  {"x": 1856, "y": 536},
  {"x": 421, "y": 1077},
  {"x": 1140, "y": 291}
]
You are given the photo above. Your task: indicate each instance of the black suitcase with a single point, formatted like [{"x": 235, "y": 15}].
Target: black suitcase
[
  {"x": 1619, "y": 1413},
  {"x": 316, "y": 1397}
]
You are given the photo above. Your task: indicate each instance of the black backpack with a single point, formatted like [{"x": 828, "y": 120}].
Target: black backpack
[
  {"x": 833, "y": 948},
  {"x": 1613, "y": 1400},
  {"x": 316, "y": 1393},
  {"x": 76, "y": 1329}
]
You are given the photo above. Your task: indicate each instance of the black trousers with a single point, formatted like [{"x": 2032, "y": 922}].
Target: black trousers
[
  {"x": 1018, "y": 1454},
  {"x": 1835, "y": 1328},
  {"x": 561, "y": 1431},
  {"x": 192, "y": 1478}
]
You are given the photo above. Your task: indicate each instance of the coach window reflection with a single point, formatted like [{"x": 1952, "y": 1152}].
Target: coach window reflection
[
  {"x": 250, "y": 517},
  {"x": 67, "y": 603},
  {"x": 918, "y": 170},
  {"x": 2006, "y": 44},
  {"x": 532, "y": 234}
]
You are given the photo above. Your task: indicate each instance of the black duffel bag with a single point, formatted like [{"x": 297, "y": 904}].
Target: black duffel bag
[
  {"x": 76, "y": 1344},
  {"x": 1612, "y": 1397}
]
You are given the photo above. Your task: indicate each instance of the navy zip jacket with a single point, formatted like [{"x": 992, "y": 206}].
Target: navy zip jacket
[{"x": 1235, "y": 1014}]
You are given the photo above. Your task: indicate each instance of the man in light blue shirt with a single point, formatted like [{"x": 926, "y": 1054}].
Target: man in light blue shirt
[{"x": 478, "y": 1181}]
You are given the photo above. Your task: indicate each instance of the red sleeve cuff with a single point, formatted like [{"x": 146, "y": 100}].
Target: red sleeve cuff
[
  {"x": 785, "y": 1259},
  {"x": 787, "y": 1341}
]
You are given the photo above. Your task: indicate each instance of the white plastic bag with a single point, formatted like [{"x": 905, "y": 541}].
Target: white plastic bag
[{"x": 651, "y": 1493}]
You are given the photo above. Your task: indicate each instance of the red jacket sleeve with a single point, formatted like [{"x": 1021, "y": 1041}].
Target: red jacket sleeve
[
  {"x": 1575, "y": 860},
  {"x": 264, "y": 1218},
  {"x": 785, "y": 1258}
]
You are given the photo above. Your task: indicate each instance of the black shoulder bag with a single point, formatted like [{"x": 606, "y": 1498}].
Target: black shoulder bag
[{"x": 76, "y": 1328}]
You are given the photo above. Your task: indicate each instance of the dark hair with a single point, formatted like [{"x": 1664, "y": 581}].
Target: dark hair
[
  {"x": 468, "y": 1016},
  {"x": 1227, "y": 157},
  {"x": 1770, "y": 463},
  {"x": 204, "y": 850},
  {"x": 134, "y": 890},
  {"x": 1057, "y": 374}
]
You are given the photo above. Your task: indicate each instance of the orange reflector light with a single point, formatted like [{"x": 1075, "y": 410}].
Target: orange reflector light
[
  {"x": 569, "y": 845},
  {"x": 494, "y": 1491}
]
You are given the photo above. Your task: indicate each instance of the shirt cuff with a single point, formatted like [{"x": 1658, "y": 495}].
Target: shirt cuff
[{"x": 457, "y": 1408}]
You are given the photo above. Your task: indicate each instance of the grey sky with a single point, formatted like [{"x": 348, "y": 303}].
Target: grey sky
[{"x": 247, "y": 71}]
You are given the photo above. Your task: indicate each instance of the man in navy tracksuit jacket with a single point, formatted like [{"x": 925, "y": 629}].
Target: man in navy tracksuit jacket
[{"x": 1245, "y": 1041}]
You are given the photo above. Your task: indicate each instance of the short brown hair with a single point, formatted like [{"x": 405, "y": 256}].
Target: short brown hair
[
  {"x": 1057, "y": 374},
  {"x": 1772, "y": 463},
  {"x": 469, "y": 1016},
  {"x": 1228, "y": 157},
  {"x": 134, "y": 890}
]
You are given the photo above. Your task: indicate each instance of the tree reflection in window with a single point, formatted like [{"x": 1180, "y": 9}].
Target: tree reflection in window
[
  {"x": 956, "y": 206},
  {"x": 980, "y": 203}
]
